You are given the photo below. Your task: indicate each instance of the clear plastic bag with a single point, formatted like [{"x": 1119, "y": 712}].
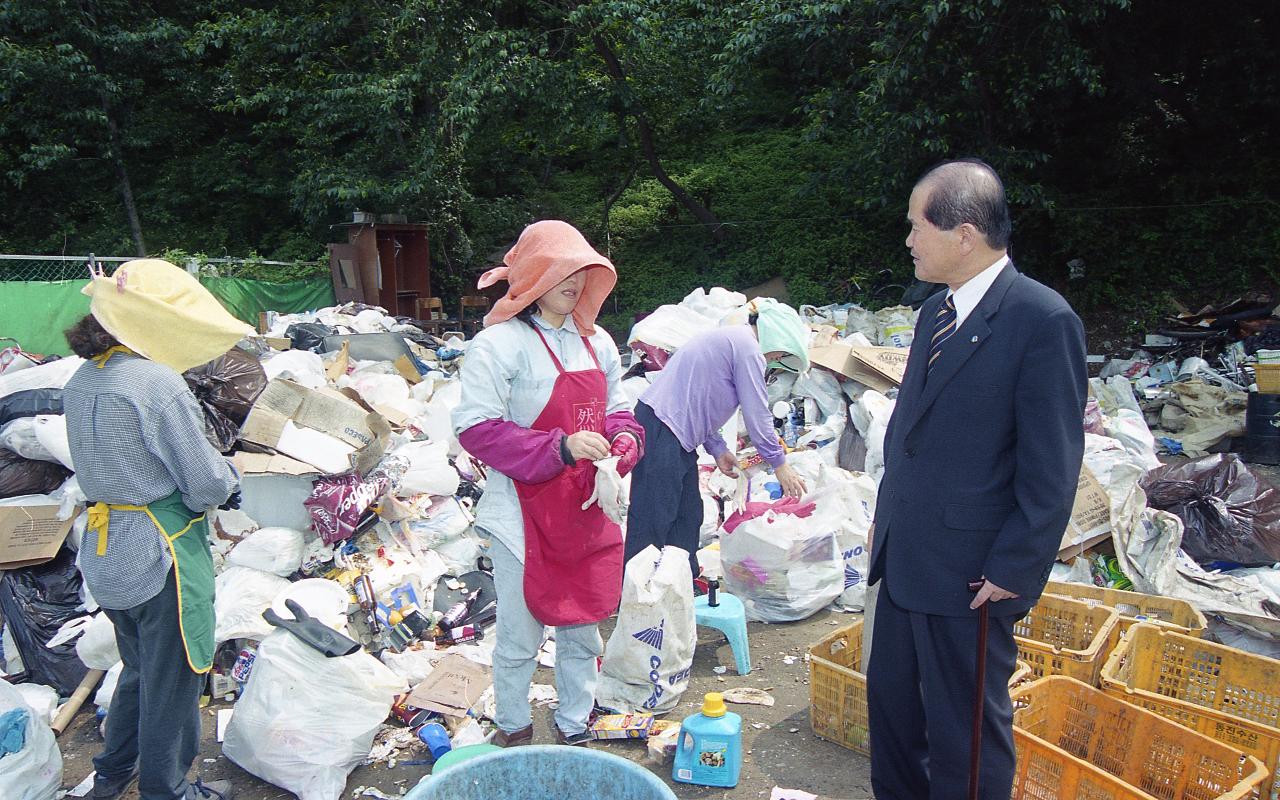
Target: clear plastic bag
[{"x": 305, "y": 721}]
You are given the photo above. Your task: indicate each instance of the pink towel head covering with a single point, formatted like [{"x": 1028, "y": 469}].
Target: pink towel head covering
[{"x": 546, "y": 253}]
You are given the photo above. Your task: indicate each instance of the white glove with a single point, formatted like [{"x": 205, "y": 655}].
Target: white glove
[{"x": 611, "y": 491}]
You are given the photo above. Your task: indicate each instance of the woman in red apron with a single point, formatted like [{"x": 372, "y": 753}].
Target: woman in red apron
[{"x": 542, "y": 405}]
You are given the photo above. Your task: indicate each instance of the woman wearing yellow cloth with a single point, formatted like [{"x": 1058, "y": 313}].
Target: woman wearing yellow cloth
[{"x": 137, "y": 439}]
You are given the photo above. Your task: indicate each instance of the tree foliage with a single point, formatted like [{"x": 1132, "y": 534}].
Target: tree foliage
[{"x": 698, "y": 142}]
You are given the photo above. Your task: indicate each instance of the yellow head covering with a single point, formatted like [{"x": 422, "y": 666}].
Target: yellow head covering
[{"x": 163, "y": 313}]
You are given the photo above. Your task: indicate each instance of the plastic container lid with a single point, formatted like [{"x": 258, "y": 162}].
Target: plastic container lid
[{"x": 713, "y": 705}]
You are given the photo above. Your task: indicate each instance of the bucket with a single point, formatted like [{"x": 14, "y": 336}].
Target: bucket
[
  {"x": 541, "y": 771},
  {"x": 1262, "y": 429}
]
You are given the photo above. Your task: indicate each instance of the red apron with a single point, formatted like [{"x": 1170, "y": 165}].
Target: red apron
[{"x": 572, "y": 558}]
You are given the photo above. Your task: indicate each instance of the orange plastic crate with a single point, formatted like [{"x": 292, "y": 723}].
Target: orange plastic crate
[
  {"x": 1213, "y": 689},
  {"x": 838, "y": 691},
  {"x": 1149, "y": 756},
  {"x": 1061, "y": 636},
  {"x": 1134, "y": 607}
]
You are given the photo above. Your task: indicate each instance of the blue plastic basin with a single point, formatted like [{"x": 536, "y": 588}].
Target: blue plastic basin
[{"x": 538, "y": 772}]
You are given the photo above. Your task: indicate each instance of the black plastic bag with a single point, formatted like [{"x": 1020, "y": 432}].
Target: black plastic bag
[
  {"x": 227, "y": 388},
  {"x": 35, "y": 602},
  {"x": 309, "y": 335},
  {"x": 19, "y": 476},
  {"x": 29, "y": 403},
  {"x": 1228, "y": 513}
]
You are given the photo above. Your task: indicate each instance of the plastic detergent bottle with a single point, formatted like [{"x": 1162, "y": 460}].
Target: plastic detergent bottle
[{"x": 709, "y": 749}]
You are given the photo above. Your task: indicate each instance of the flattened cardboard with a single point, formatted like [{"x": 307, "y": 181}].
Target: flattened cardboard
[
  {"x": 30, "y": 535},
  {"x": 453, "y": 687},
  {"x": 1090, "y": 521},
  {"x": 285, "y": 405},
  {"x": 880, "y": 368},
  {"x": 268, "y": 463}
]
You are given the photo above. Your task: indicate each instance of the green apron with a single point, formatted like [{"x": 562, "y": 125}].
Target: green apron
[{"x": 186, "y": 534}]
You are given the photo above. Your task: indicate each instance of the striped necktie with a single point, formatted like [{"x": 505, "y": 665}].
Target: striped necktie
[{"x": 944, "y": 325}]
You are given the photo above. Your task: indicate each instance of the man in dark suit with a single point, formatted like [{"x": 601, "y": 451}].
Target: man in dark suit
[{"x": 982, "y": 456}]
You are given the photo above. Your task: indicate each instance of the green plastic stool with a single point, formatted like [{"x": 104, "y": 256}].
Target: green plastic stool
[{"x": 456, "y": 757}]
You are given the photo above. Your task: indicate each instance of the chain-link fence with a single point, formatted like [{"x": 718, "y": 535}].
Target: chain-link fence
[{"x": 64, "y": 268}]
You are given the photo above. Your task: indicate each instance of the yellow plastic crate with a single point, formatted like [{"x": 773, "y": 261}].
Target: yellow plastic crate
[
  {"x": 838, "y": 691},
  {"x": 1166, "y": 612},
  {"x": 1150, "y": 756},
  {"x": 1213, "y": 689},
  {"x": 1061, "y": 636}
]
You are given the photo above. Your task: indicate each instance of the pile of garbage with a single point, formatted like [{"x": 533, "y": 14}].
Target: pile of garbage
[
  {"x": 1192, "y": 378},
  {"x": 353, "y": 569}
]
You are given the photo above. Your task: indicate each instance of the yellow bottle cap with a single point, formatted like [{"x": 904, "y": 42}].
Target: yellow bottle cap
[
  {"x": 713, "y": 705},
  {"x": 395, "y": 617}
]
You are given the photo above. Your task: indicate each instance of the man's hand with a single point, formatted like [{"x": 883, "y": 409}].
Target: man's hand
[
  {"x": 587, "y": 444},
  {"x": 792, "y": 484},
  {"x": 990, "y": 591},
  {"x": 728, "y": 464}
]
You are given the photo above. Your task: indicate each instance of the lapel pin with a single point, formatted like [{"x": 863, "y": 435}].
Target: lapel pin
[{"x": 974, "y": 340}]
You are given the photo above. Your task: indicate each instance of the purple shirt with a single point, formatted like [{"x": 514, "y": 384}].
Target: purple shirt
[{"x": 705, "y": 382}]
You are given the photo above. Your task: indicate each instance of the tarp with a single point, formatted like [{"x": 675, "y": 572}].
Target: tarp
[
  {"x": 35, "y": 313},
  {"x": 245, "y": 298}
]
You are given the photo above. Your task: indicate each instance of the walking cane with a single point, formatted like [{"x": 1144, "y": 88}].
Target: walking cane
[{"x": 979, "y": 694}]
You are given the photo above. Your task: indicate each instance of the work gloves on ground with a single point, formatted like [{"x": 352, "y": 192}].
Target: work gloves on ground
[{"x": 611, "y": 491}]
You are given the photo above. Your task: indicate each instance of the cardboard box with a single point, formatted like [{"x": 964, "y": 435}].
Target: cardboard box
[
  {"x": 880, "y": 368},
  {"x": 1090, "y": 521},
  {"x": 31, "y": 535},
  {"x": 453, "y": 687},
  {"x": 321, "y": 427}
]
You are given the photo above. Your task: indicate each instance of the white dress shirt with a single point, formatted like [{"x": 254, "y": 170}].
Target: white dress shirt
[{"x": 967, "y": 297}]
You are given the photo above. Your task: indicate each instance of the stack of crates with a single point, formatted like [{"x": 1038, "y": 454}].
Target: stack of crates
[
  {"x": 1074, "y": 741},
  {"x": 1216, "y": 690}
]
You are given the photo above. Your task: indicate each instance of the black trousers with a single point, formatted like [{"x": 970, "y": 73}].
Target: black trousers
[
  {"x": 666, "y": 508},
  {"x": 154, "y": 719},
  {"x": 920, "y": 688}
]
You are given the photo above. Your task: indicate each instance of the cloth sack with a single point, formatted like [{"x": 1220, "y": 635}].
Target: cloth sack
[{"x": 649, "y": 656}]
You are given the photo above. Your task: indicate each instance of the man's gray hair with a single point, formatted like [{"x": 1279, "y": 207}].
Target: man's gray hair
[{"x": 968, "y": 190}]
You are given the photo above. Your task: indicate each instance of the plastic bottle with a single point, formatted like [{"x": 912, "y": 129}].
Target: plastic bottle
[{"x": 709, "y": 748}]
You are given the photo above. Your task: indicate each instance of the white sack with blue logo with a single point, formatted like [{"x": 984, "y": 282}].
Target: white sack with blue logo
[
  {"x": 852, "y": 497},
  {"x": 649, "y": 656}
]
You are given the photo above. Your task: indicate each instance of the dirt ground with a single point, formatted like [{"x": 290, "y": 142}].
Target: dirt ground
[{"x": 784, "y": 752}]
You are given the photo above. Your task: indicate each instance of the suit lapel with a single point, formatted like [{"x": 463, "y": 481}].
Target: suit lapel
[{"x": 964, "y": 343}]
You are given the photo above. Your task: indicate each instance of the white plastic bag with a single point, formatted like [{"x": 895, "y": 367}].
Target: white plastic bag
[
  {"x": 429, "y": 470},
  {"x": 97, "y": 646},
  {"x": 849, "y": 497},
  {"x": 42, "y": 699},
  {"x": 102, "y": 699},
  {"x": 241, "y": 594},
  {"x": 301, "y": 366},
  {"x": 305, "y": 721},
  {"x": 784, "y": 568},
  {"x": 870, "y": 414},
  {"x": 274, "y": 550},
  {"x": 35, "y": 771},
  {"x": 670, "y": 327},
  {"x": 648, "y": 658}
]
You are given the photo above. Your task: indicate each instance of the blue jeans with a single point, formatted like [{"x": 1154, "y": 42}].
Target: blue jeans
[{"x": 515, "y": 656}]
